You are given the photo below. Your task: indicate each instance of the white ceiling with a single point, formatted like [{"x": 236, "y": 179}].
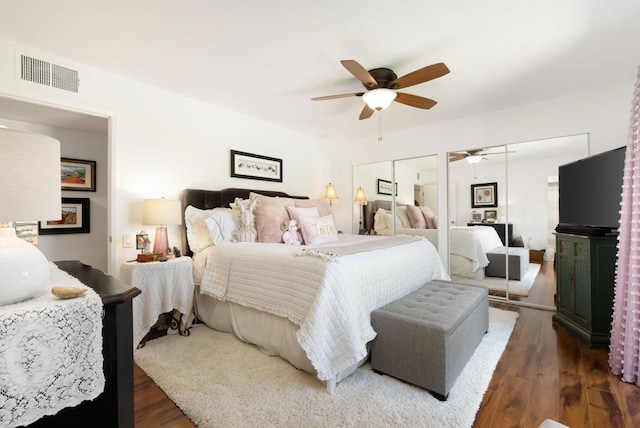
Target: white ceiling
[{"x": 268, "y": 58}]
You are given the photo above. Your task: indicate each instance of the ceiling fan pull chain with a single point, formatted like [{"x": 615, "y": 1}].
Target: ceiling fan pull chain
[{"x": 379, "y": 126}]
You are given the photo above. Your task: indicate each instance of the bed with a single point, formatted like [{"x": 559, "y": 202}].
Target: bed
[
  {"x": 311, "y": 304},
  {"x": 468, "y": 246}
]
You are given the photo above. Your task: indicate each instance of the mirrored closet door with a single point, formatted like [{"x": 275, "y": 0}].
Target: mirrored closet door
[
  {"x": 399, "y": 195},
  {"x": 511, "y": 194}
]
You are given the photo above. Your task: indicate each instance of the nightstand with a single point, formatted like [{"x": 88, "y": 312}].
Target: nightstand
[{"x": 167, "y": 287}]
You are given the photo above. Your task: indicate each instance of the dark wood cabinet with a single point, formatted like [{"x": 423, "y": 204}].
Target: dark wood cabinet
[
  {"x": 505, "y": 233},
  {"x": 585, "y": 272},
  {"x": 114, "y": 407}
]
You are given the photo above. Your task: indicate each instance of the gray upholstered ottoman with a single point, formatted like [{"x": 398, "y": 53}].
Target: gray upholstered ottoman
[
  {"x": 518, "y": 262},
  {"x": 427, "y": 337}
]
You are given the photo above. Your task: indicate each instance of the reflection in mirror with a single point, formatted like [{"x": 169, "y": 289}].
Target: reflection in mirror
[
  {"x": 372, "y": 178},
  {"x": 417, "y": 197},
  {"x": 412, "y": 183},
  {"x": 512, "y": 224}
]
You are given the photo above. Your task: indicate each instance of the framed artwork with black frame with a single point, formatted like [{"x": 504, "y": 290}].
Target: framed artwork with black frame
[
  {"x": 78, "y": 174},
  {"x": 385, "y": 187},
  {"x": 75, "y": 218},
  {"x": 484, "y": 195},
  {"x": 255, "y": 167}
]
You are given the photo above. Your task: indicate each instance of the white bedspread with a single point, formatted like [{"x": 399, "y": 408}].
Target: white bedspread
[
  {"x": 473, "y": 242},
  {"x": 330, "y": 301}
]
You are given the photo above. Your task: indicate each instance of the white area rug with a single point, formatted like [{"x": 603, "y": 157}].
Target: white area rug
[
  {"x": 516, "y": 288},
  {"x": 219, "y": 381}
]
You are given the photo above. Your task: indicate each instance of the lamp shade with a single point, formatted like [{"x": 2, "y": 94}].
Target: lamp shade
[
  {"x": 360, "y": 198},
  {"x": 379, "y": 99},
  {"x": 29, "y": 190},
  {"x": 29, "y": 176},
  {"x": 161, "y": 211},
  {"x": 330, "y": 194}
]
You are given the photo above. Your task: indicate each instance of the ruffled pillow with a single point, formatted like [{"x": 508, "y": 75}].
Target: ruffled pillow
[
  {"x": 416, "y": 218},
  {"x": 271, "y": 213},
  {"x": 246, "y": 231},
  {"x": 318, "y": 231}
]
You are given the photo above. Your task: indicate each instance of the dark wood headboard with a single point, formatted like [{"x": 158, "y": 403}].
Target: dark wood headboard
[{"x": 209, "y": 199}]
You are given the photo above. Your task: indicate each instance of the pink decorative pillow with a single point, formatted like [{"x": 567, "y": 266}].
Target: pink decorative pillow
[
  {"x": 318, "y": 231},
  {"x": 321, "y": 204},
  {"x": 295, "y": 213},
  {"x": 416, "y": 218},
  {"x": 429, "y": 217},
  {"x": 270, "y": 214}
]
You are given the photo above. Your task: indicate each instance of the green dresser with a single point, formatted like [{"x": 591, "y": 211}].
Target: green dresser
[{"x": 585, "y": 272}]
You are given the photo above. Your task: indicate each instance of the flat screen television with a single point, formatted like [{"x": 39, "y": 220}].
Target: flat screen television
[{"x": 590, "y": 193}]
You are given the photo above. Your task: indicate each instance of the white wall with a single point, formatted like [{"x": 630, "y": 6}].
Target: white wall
[
  {"x": 162, "y": 143},
  {"x": 603, "y": 114},
  {"x": 90, "y": 247}
]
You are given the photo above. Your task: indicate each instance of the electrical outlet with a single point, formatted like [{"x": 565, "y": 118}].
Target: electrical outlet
[{"x": 127, "y": 241}]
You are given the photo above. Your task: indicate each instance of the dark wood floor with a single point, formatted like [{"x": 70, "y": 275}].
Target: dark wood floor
[{"x": 543, "y": 373}]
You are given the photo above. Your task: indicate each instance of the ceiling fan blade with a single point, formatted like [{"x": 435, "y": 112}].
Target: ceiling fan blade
[
  {"x": 415, "y": 101},
  {"x": 456, "y": 156},
  {"x": 422, "y": 75},
  {"x": 331, "y": 97},
  {"x": 366, "y": 112},
  {"x": 360, "y": 73}
]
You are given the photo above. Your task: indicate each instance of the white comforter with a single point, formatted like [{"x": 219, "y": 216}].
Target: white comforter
[
  {"x": 330, "y": 301},
  {"x": 473, "y": 242}
]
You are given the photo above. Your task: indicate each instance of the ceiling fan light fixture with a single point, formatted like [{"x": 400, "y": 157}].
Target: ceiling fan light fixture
[
  {"x": 474, "y": 159},
  {"x": 379, "y": 99}
]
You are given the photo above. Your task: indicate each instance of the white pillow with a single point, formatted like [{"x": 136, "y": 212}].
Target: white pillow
[
  {"x": 197, "y": 231},
  {"x": 222, "y": 224},
  {"x": 401, "y": 213},
  {"x": 317, "y": 231}
]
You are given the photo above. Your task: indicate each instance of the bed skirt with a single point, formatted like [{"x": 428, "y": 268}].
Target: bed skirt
[{"x": 274, "y": 335}]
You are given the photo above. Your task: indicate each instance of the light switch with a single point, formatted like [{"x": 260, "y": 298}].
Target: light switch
[{"x": 127, "y": 241}]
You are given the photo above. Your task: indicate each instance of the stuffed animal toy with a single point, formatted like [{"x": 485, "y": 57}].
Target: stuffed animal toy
[{"x": 290, "y": 234}]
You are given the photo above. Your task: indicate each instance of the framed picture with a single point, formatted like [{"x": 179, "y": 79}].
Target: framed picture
[
  {"x": 255, "y": 167},
  {"x": 75, "y": 218},
  {"x": 484, "y": 195},
  {"x": 77, "y": 174},
  {"x": 490, "y": 216},
  {"x": 385, "y": 187}
]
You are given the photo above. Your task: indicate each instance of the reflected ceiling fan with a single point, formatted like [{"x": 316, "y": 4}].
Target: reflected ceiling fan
[
  {"x": 381, "y": 85},
  {"x": 474, "y": 156}
]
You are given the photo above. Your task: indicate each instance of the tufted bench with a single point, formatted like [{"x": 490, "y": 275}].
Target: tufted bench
[
  {"x": 427, "y": 337},
  {"x": 518, "y": 262}
]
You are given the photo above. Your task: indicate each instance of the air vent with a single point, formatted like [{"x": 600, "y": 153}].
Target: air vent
[{"x": 48, "y": 74}]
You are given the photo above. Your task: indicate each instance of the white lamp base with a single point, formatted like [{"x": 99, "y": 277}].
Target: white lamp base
[{"x": 24, "y": 270}]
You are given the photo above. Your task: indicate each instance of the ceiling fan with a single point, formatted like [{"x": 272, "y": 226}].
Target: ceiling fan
[
  {"x": 474, "y": 156},
  {"x": 381, "y": 85}
]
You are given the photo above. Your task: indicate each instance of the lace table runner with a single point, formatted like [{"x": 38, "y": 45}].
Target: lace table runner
[{"x": 50, "y": 353}]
